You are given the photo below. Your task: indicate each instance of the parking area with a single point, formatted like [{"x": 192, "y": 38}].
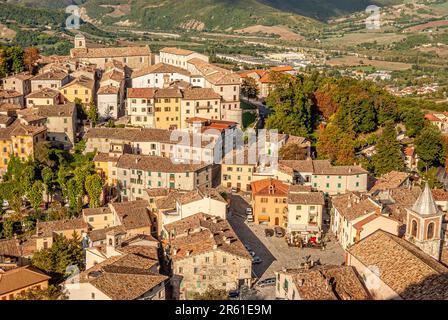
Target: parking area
[{"x": 274, "y": 252}]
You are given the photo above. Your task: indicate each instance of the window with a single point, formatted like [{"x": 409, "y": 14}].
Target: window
[
  {"x": 195, "y": 270},
  {"x": 298, "y": 217},
  {"x": 430, "y": 231},
  {"x": 298, "y": 207},
  {"x": 207, "y": 259},
  {"x": 339, "y": 186},
  {"x": 414, "y": 228},
  {"x": 357, "y": 184},
  {"x": 93, "y": 295},
  {"x": 180, "y": 270}
]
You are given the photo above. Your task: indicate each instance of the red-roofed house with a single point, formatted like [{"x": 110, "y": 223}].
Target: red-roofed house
[{"x": 269, "y": 201}]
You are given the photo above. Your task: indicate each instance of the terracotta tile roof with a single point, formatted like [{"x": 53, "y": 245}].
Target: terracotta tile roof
[
  {"x": 352, "y": 206},
  {"x": 431, "y": 117},
  {"x": 323, "y": 167},
  {"x": 125, "y": 277},
  {"x": 100, "y": 234},
  {"x": 60, "y": 110},
  {"x": 402, "y": 266},
  {"x": 111, "y": 64},
  {"x": 10, "y": 248},
  {"x": 46, "y": 229},
  {"x": 51, "y": 75},
  {"x": 132, "y": 214},
  {"x": 215, "y": 74},
  {"x": 43, "y": 93},
  {"x": 363, "y": 222},
  {"x": 168, "y": 202},
  {"x": 282, "y": 69},
  {"x": 157, "y": 192},
  {"x": 409, "y": 151},
  {"x": 95, "y": 211},
  {"x": 306, "y": 198},
  {"x": 104, "y": 157},
  {"x": 143, "y": 251},
  {"x": 81, "y": 81},
  {"x": 180, "y": 84},
  {"x": 147, "y": 93},
  {"x": 9, "y": 94},
  {"x": 177, "y": 51},
  {"x": 112, "y": 75},
  {"x": 296, "y": 165},
  {"x": 401, "y": 198},
  {"x": 202, "y": 233},
  {"x": 130, "y": 134},
  {"x": 200, "y": 94},
  {"x": 20, "y": 278},
  {"x": 246, "y": 73},
  {"x": 155, "y": 164},
  {"x": 109, "y": 89},
  {"x": 21, "y": 76},
  {"x": 391, "y": 180},
  {"x": 328, "y": 282},
  {"x": 440, "y": 195},
  {"x": 160, "y": 68},
  {"x": 167, "y": 93},
  {"x": 110, "y": 52},
  {"x": 6, "y": 120},
  {"x": 269, "y": 187},
  {"x": 19, "y": 129},
  {"x": 9, "y": 107}
]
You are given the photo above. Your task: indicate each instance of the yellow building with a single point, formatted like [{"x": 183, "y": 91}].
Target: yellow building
[
  {"x": 167, "y": 108},
  {"x": 19, "y": 140},
  {"x": 269, "y": 202},
  {"x": 19, "y": 280},
  {"x": 82, "y": 88},
  {"x": 105, "y": 166}
]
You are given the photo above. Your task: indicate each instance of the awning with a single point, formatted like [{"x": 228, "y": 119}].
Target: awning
[{"x": 263, "y": 218}]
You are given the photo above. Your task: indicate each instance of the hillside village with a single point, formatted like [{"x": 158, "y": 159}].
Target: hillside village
[{"x": 158, "y": 217}]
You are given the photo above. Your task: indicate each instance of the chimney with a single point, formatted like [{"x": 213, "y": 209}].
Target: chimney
[
  {"x": 228, "y": 240},
  {"x": 215, "y": 246},
  {"x": 174, "y": 251}
]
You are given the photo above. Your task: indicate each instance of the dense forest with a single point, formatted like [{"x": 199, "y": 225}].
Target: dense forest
[{"x": 343, "y": 116}]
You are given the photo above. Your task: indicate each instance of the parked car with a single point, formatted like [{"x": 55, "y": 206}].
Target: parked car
[
  {"x": 252, "y": 253},
  {"x": 234, "y": 294},
  {"x": 256, "y": 260},
  {"x": 250, "y": 218},
  {"x": 249, "y": 211},
  {"x": 266, "y": 282},
  {"x": 234, "y": 190},
  {"x": 248, "y": 248},
  {"x": 268, "y": 232},
  {"x": 279, "y": 232}
]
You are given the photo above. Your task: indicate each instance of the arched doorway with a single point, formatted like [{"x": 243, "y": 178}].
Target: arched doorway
[
  {"x": 430, "y": 231},
  {"x": 414, "y": 228}
]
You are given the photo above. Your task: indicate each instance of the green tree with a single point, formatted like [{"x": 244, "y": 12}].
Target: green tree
[
  {"x": 35, "y": 195},
  {"x": 430, "y": 148},
  {"x": 293, "y": 105},
  {"x": 92, "y": 114},
  {"x": 388, "y": 153},
  {"x": 293, "y": 151},
  {"x": 51, "y": 293},
  {"x": 94, "y": 187},
  {"x": 48, "y": 180},
  {"x": 27, "y": 177},
  {"x": 249, "y": 88},
  {"x": 211, "y": 294},
  {"x": 62, "y": 254},
  {"x": 75, "y": 194}
]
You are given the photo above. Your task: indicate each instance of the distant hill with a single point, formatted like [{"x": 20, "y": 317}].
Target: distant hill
[{"x": 210, "y": 15}]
